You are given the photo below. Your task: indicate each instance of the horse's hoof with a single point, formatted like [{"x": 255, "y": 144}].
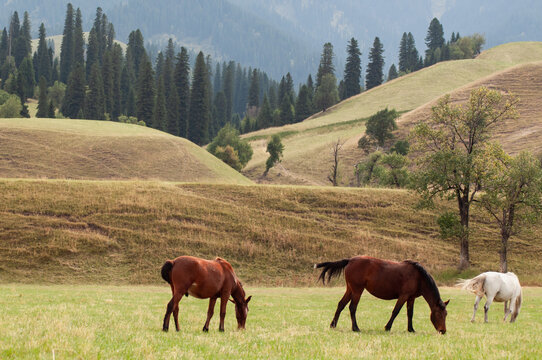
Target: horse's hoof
[
  {"x": 332, "y": 325},
  {"x": 165, "y": 329},
  {"x": 356, "y": 330},
  {"x": 205, "y": 329},
  {"x": 387, "y": 328},
  {"x": 411, "y": 330},
  {"x": 221, "y": 330}
]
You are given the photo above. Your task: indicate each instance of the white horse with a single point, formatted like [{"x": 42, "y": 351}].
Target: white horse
[{"x": 495, "y": 286}]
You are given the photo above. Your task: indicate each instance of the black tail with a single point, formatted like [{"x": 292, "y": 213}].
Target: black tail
[
  {"x": 166, "y": 271},
  {"x": 332, "y": 269}
]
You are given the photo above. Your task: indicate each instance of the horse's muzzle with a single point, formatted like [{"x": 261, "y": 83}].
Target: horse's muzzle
[{"x": 442, "y": 332}]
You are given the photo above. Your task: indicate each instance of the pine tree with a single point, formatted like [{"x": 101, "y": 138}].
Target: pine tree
[
  {"x": 14, "y": 31},
  {"x": 182, "y": 82},
  {"x": 43, "y": 105},
  {"x": 303, "y": 106},
  {"x": 374, "y": 71},
  {"x": 74, "y": 100},
  {"x": 107, "y": 79},
  {"x": 145, "y": 92},
  {"x": 326, "y": 63},
  {"x": 116, "y": 72},
  {"x": 95, "y": 108},
  {"x": 78, "y": 40},
  {"x": 392, "y": 73},
  {"x": 92, "y": 50},
  {"x": 352, "y": 70},
  {"x": 403, "y": 54},
  {"x": 51, "y": 110},
  {"x": 265, "y": 117},
  {"x": 22, "y": 43},
  {"x": 310, "y": 87},
  {"x": 254, "y": 91},
  {"x": 287, "y": 115},
  {"x": 43, "y": 65},
  {"x": 435, "y": 37},
  {"x": 159, "y": 68},
  {"x": 160, "y": 113},
  {"x": 3, "y": 47},
  {"x": 220, "y": 109},
  {"x": 326, "y": 94},
  {"x": 198, "y": 118},
  {"x": 172, "y": 96},
  {"x": 412, "y": 53},
  {"x": 135, "y": 52},
  {"x": 28, "y": 79},
  {"x": 228, "y": 88},
  {"x": 66, "y": 49}
]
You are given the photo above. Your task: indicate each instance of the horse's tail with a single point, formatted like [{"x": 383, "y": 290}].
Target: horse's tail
[
  {"x": 518, "y": 303},
  {"x": 166, "y": 271},
  {"x": 474, "y": 285},
  {"x": 331, "y": 268}
]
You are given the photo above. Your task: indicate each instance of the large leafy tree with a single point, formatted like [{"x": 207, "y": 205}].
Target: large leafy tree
[
  {"x": 512, "y": 194},
  {"x": 229, "y": 136},
  {"x": 380, "y": 125},
  {"x": 451, "y": 147},
  {"x": 374, "y": 73},
  {"x": 275, "y": 149},
  {"x": 352, "y": 70}
]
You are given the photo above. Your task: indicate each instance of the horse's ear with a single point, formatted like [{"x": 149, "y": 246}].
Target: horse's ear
[
  {"x": 232, "y": 301},
  {"x": 446, "y": 302},
  {"x": 248, "y": 299}
]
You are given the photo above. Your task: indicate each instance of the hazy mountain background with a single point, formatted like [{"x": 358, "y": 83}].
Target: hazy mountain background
[{"x": 280, "y": 36}]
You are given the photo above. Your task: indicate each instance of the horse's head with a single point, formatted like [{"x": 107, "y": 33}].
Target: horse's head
[
  {"x": 241, "y": 310},
  {"x": 438, "y": 316}
]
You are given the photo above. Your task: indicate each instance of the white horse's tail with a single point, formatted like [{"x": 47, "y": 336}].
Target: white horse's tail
[{"x": 474, "y": 285}]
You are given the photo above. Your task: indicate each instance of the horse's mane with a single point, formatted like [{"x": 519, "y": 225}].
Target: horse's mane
[{"x": 428, "y": 278}]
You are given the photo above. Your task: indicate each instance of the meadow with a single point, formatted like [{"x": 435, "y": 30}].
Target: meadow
[{"x": 114, "y": 322}]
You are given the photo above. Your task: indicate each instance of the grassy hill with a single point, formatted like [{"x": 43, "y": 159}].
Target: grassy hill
[
  {"x": 307, "y": 155},
  {"x": 85, "y": 149},
  {"x": 121, "y": 232}
]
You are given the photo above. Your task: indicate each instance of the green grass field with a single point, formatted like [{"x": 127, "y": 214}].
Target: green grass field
[{"x": 93, "y": 322}]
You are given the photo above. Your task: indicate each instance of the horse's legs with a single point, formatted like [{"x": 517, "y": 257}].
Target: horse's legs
[
  {"x": 176, "y": 316},
  {"x": 340, "y": 307},
  {"x": 173, "y": 303},
  {"x": 395, "y": 312},
  {"x": 506, "y": 310},
  {"x": 353, "y": 306},
  {"x": 476, "y": 302},
  {"x": 223, "y": 303},
  {"x": 410, "y": 313},
  {"x": 487, "y": 305},
  {"x": 210, "y": 312}
]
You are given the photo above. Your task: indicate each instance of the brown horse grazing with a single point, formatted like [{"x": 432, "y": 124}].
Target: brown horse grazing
[
  {"x": 204, "y": 279},
  {"x": 387, "y": 280}
]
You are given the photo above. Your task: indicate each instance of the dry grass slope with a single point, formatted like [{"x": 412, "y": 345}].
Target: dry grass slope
[
  {"x": 84, "y": 149},
  {"x": 114, "y": 232},
  {"x": 307, "y": 156}
]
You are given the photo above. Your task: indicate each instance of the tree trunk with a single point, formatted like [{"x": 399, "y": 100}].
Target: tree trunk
[
  {"x": 464, "y": 260},
  {"x": 505, "y": 235}
]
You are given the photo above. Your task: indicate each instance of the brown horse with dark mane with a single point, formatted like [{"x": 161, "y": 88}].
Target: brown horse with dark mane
[
  {"x": 387, "y": 280},
  {"x": 204, "y": 279}
]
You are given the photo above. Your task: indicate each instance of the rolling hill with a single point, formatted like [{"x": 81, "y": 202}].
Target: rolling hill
[
  {"x": 121, "y": 232},
  {"x": 104, "y": 150},
  {"x": 307, "y": 155}
]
